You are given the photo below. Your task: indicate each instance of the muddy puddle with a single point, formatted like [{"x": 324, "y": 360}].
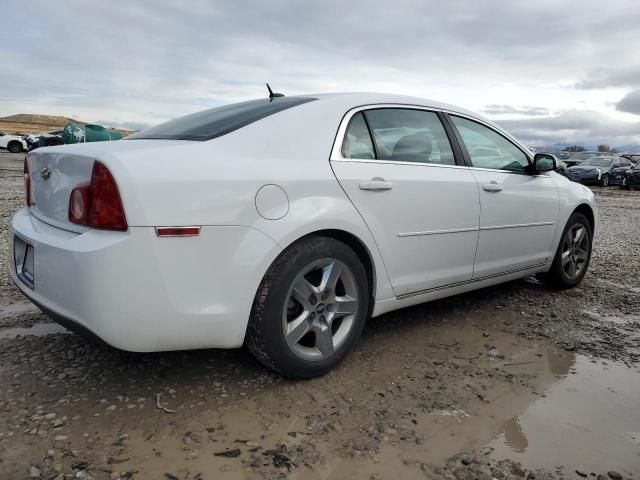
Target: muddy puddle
[
  {"x": 505, "y": 396},
  {"x": 584, "y": 416},
  {"x": 18, "y": 308},
  {"x": 37, "y": 330},
  {"x": 589, "y": 419}
]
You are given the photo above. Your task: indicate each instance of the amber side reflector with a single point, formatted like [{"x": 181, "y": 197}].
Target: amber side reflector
[{"x": 177, "y": 231}]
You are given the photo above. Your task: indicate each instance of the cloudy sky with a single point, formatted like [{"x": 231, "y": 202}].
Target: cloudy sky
[{"x": 549, "y": 70}]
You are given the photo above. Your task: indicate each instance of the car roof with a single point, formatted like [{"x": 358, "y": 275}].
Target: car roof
[
  {"x": 349, "y": 100},
  {"x": 332, "y": 104}
]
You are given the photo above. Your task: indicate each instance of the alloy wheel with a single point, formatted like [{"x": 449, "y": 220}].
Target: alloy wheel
[
  {"x": 320, "y": 309},
  {"x": 575, "y": 251}
]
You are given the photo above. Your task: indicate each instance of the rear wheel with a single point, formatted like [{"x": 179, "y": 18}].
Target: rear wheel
[
  {"x": 310, "y": 308},
  {"x": 604, "y": 181},
  {"x": 14, "y": 147},
  {"x": 572, "y": 258}
]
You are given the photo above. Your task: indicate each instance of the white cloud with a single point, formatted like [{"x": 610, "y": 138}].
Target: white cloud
[{"x": 147, "y": 61}]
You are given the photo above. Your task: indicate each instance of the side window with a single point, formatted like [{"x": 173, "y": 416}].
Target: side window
[
  {"x": 489, "y": 149},
  {"x": 357, "y": 141},
  {"x": 406, "y": 135}
]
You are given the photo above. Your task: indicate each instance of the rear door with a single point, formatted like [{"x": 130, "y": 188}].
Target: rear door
[
  {"x": 399, "y": 169},
  {"x": 519, "y": 211}
]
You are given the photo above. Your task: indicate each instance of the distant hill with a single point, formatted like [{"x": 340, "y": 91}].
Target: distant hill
[{"x": 24, "y": 123}]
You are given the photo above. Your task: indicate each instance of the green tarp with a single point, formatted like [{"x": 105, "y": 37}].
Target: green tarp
[{"x": 74, "y": 133}]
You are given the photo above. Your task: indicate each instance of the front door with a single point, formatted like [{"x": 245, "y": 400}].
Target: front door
[
  {"x": 619, "y": 170},
  {"x": 398, "y": 168},
  {"x": 519, "y": 211}
]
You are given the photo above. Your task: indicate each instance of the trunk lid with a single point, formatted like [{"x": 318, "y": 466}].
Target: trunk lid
[
  {"x": 56, "y": 171},
  {"x": 53, "y": 176}
]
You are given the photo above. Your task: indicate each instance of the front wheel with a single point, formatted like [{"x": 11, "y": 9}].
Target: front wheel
[
  {"x": 572, "y": 258},
  {"x": 310, "y": 308},
  {"x": 604, "y": 181},
  {"x": 14, "y": 147}
]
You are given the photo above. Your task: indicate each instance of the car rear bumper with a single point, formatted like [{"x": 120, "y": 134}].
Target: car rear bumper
[{"x": 142, "y": 293}]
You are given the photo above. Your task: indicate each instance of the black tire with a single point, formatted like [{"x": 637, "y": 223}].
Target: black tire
[
  {"x": 605, "y": 180},
  {"x": 557, "y": 277},
  {"x": 14, "y": 147},
  {"x": 265, "y": 336}
]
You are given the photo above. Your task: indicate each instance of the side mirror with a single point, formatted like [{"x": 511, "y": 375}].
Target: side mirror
[{"x": 544, "y": 162}]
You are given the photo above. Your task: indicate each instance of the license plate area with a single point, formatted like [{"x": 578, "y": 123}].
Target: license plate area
[{"x": 23, "y": 261}]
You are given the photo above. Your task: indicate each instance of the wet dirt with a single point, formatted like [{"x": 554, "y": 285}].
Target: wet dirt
[
  {"x": 37, "y": 330},
  {"x": 502, "y": 383}
]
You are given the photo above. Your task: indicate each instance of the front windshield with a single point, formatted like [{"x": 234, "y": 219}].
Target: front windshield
[{"x": 598, "y": 162}]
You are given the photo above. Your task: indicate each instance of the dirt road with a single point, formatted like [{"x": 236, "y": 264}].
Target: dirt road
[{"x": 507, "y": 382}]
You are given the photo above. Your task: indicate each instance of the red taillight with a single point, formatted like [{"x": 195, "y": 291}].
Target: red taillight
[
  {"x": 27, "y": 183},
  {"x": 98, "y": 205},
  {"x": 106, "y": 210}
]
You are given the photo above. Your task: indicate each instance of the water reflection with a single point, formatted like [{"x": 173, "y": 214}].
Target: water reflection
[
  {"x": 512, "y": 432},
  {"x": 560, "y": 364},
  {"x": 587, "y": 419},
  {"x": 514, "y": 436}
]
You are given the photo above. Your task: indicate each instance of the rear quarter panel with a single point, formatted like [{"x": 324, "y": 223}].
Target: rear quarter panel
[{"x": 215, "y": 182}]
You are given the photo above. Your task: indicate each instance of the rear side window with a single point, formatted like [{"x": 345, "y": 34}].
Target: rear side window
[
  {"x": 357, "y": 141},
  {"x": 489, "y": 149},
  {"x": 219, "y": 121},
  {"x": 406, "y": 135},
  {"x": 399, "y": 134}
]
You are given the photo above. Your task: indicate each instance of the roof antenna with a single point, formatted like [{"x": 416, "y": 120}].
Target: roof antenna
[{"x": 273, "y": 95}]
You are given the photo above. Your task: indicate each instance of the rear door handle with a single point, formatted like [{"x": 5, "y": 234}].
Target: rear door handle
[
  {"x": 376, "y": 183},
  {"x": 492, "y": 187}
]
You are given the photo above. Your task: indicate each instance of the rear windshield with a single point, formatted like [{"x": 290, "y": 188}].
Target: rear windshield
[{"x": 219, "y": 121}]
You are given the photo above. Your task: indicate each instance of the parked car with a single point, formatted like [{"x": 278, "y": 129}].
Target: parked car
[
  {"x": 49, "y": 139},
  {"x": 578, "y": 157},
  {"x": 634, "y": 159},
  {"x": 284, "y": 223},
  {"x": 13, "y": 143},
  {"x": 603, "y": 170},
  {"x": 631, "y": 178}
]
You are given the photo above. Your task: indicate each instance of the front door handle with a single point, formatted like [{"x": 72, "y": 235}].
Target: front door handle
[
  {"x": 492, "y": 187},
  {"x": 376, "y": 183}
]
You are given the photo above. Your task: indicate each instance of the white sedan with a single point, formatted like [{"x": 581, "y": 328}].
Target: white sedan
[
  {"x": 13, "y": 143},
  {"x": 284, "y": 223}
]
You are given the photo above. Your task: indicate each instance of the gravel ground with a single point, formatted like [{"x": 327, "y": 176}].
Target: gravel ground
[{"x": 448, "y": 389}]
